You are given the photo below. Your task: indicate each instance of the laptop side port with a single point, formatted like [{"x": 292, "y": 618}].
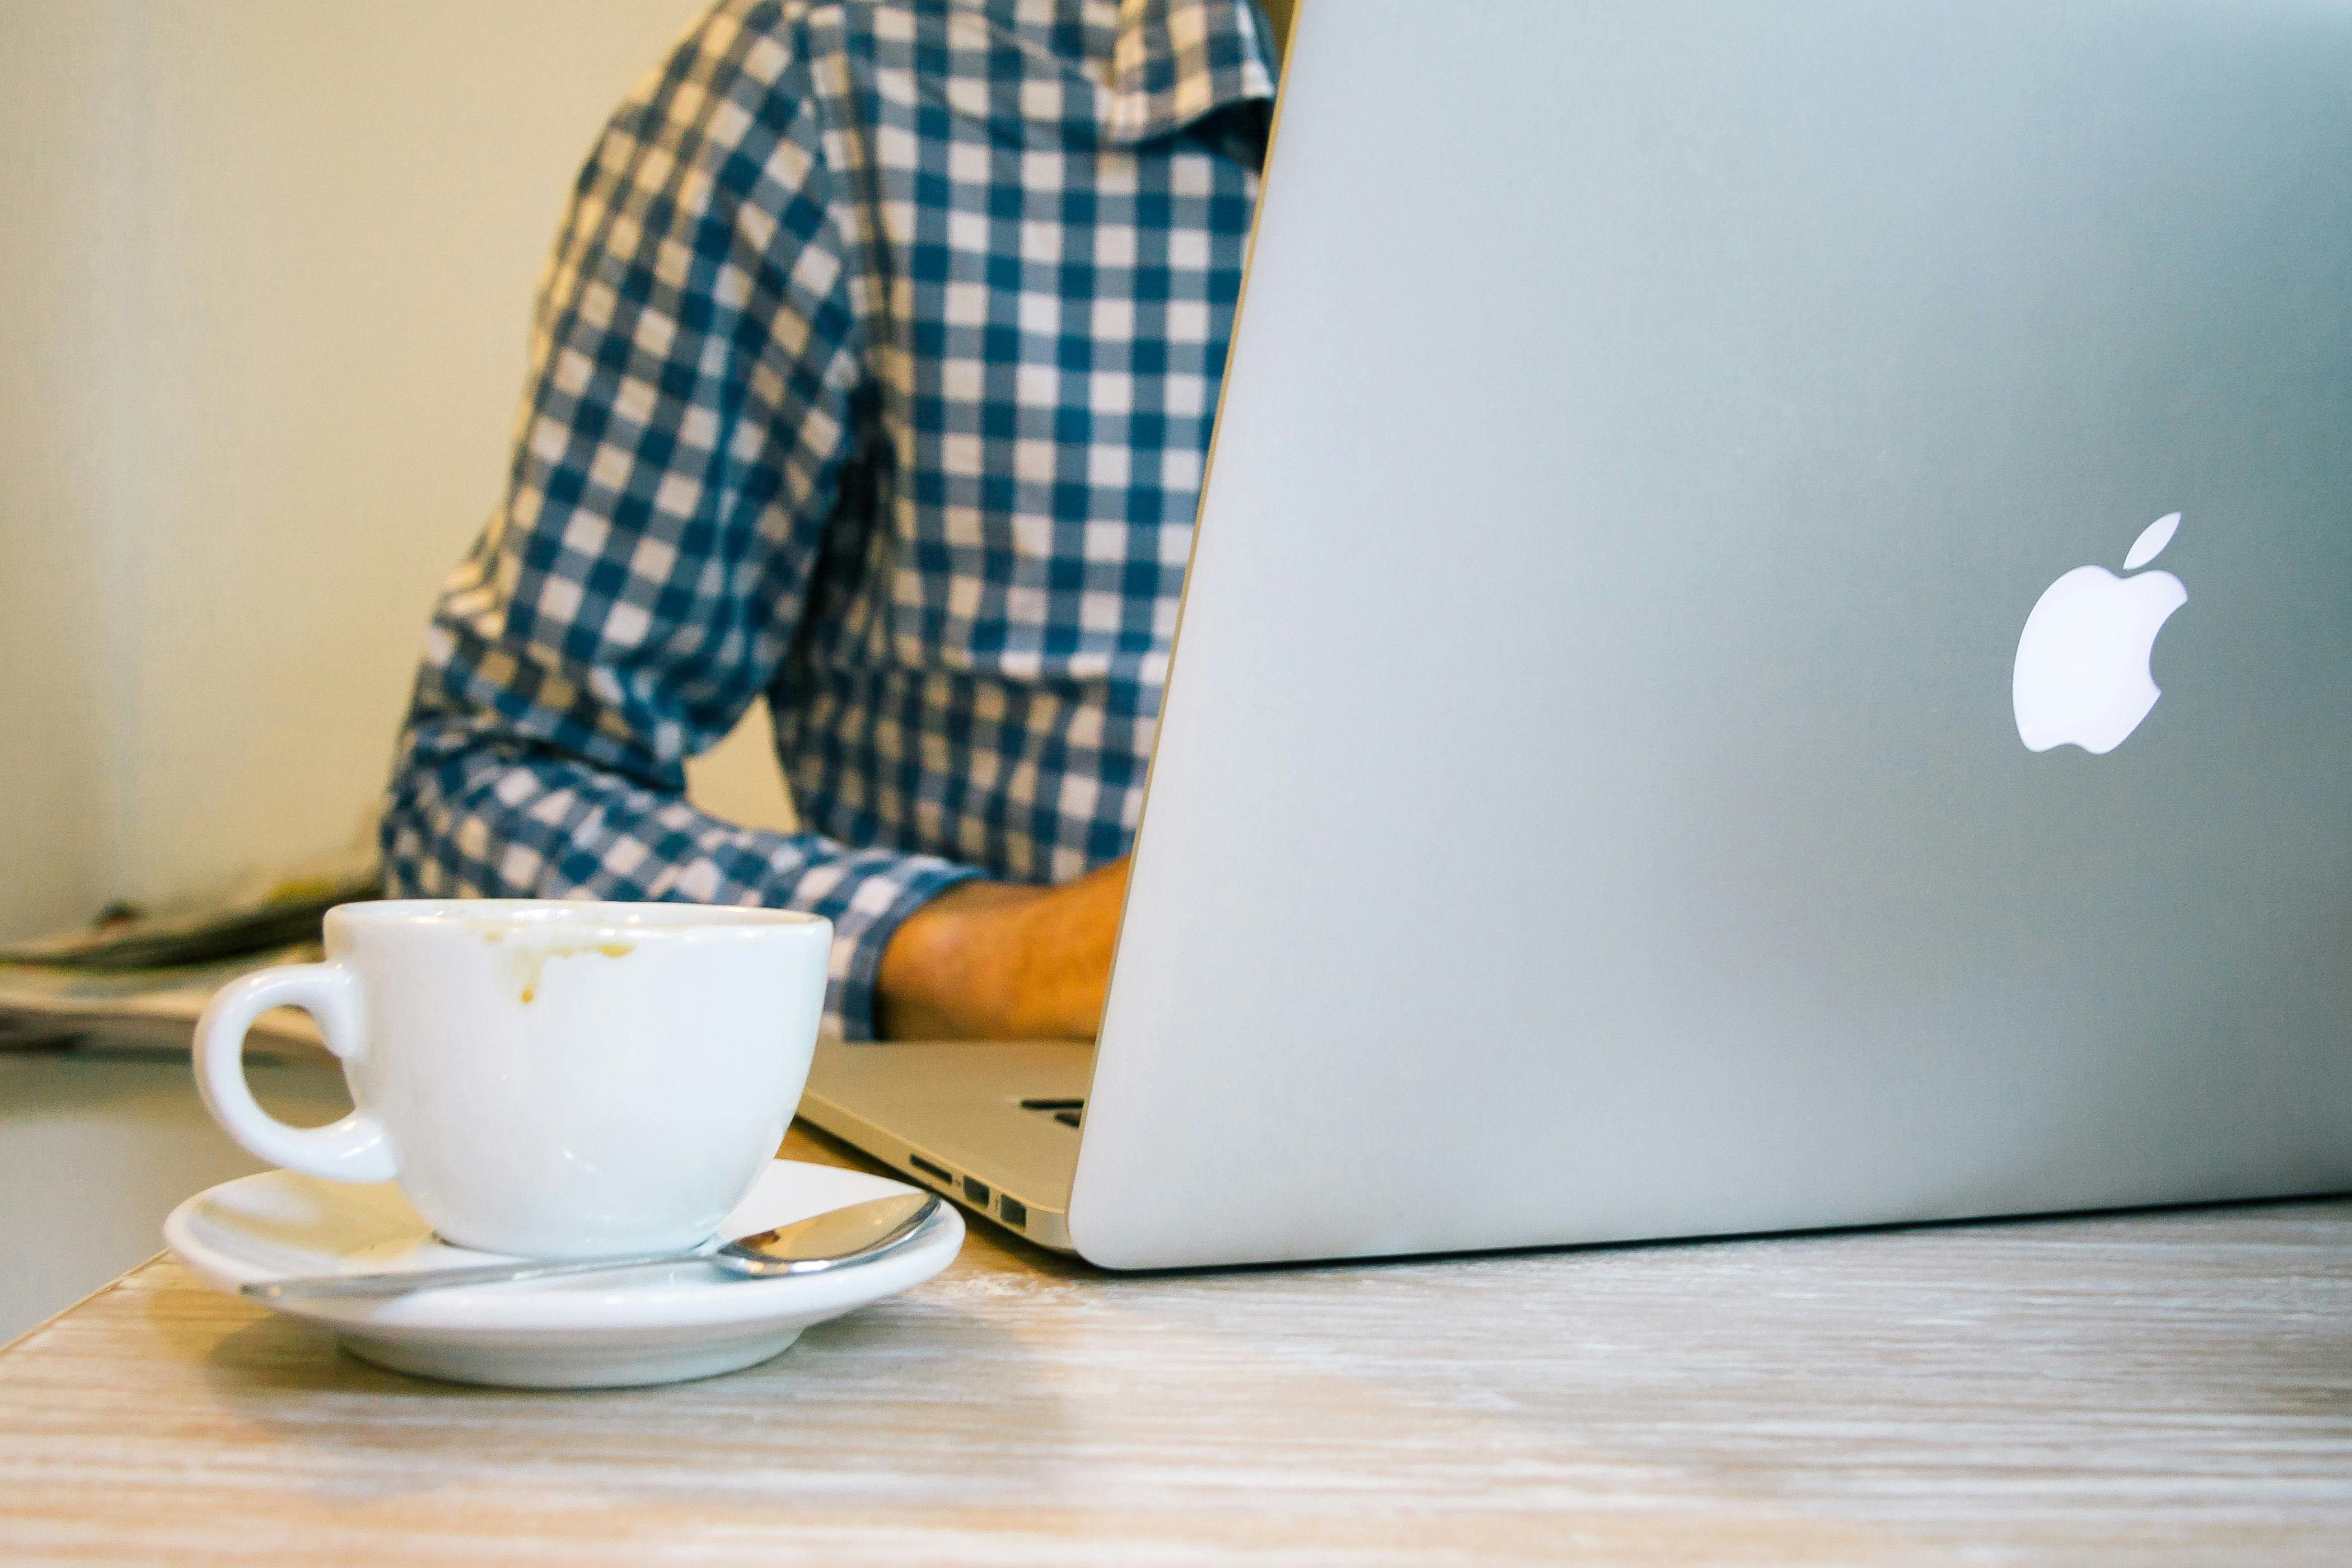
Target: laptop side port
[
  {"x": 939, "y": 1174},
  {"x": 976, "y": 1193},
  {"x": 1015, "y": 1212}
]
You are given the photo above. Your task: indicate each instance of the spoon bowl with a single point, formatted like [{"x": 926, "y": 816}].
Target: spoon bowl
[{"x": 828, "y": 1241}]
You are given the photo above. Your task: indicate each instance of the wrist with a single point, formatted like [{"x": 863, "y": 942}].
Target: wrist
[{"x": 944, "y": 971}]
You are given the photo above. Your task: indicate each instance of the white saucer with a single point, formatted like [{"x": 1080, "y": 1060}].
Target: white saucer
[{"x": 649, "y": 1326}]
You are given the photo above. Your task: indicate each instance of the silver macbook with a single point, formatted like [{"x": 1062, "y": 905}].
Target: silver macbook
[{"x": 1769, "y": 646}]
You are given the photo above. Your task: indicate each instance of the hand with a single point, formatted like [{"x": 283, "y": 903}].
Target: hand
[{"x": 994, "y": 960}]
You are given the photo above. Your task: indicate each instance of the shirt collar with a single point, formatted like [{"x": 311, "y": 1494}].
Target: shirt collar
[{"x": 1178, "y": 61}]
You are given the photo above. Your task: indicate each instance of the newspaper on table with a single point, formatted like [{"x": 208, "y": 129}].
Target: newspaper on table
[
  {"x": 140, "y": 982},
  {"x": 98, "y": 1010}
]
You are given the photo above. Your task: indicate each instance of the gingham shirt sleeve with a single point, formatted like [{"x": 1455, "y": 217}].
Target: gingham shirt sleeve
[{"x": 681, "y": 445}]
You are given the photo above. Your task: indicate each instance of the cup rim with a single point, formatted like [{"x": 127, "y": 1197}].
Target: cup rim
[{"x": 572, "y": 918}]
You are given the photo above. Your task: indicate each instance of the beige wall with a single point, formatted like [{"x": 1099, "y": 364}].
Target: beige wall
[
  {"x": 57, "y": 151},
  {"x": 270, "y": 264}
]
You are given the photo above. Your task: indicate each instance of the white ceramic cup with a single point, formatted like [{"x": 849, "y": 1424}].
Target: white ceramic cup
[{"x": 546, "y": 1078}]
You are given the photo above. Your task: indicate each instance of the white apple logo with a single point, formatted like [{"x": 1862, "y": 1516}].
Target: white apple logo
[{"x": 2082, "y": 662}]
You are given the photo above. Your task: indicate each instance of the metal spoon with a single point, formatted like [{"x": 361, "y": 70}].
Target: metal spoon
[{"x": 833, "y": 1240}]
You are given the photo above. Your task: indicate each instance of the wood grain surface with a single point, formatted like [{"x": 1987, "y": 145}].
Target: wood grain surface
[{"x": 2144, "y": 1389}]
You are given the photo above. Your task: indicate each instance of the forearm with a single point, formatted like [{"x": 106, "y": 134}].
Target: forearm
[
  {"x": 996, "y": 961},
  {"x": 472, "y": 814}
]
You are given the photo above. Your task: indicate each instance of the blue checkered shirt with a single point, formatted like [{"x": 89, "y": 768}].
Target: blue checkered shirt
[{"x": 873, "y": 374}]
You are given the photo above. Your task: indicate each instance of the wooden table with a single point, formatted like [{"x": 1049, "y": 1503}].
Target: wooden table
[{"x": 2145, "y": 1389}]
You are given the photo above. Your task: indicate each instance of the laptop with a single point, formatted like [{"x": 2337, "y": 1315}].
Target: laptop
[{"x": 1769, "y": 646}]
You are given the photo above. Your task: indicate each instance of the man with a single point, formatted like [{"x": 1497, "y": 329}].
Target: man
[{"x": 873, "y": 374}]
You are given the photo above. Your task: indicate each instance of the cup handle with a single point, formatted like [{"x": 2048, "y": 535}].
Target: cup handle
[{"x": 353, "y": 1149}]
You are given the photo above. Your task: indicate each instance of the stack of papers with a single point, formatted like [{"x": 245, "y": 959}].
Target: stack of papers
[{"x": 141, "y": 982}]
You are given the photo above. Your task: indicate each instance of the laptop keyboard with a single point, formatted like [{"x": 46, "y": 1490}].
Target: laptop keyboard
[{"x": 1067, "y": 1111}]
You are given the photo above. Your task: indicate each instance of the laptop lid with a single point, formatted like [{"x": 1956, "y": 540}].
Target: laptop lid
[{"x": 1590, "y": 800}]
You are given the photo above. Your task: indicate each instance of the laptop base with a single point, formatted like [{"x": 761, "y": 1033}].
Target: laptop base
[{"x": 993, "y": 1126}]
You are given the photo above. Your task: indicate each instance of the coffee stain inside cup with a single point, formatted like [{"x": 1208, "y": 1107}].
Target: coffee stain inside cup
[
  {"x": 539, "y": 956},
  {"x": 527, "y": 960}
]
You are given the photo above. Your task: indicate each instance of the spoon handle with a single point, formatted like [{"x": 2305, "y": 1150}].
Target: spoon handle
[
  {"x": 833, "y": 1240},
  {"x": 401, "y": 1281}
]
